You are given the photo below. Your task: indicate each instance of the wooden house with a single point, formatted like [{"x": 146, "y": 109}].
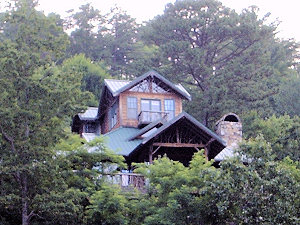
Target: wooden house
[{"x": 143, "y": 118}]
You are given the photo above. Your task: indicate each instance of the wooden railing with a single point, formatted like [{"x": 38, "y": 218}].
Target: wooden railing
[
  {"x": 146, "y": 117},
  {"x": 128, "y": 180}
]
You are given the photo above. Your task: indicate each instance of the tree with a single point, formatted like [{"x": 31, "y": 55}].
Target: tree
[
  {"x": 281, "y": 132},
  {"x": 85, "y": 168},
  {"x": 255, "y": 193},
  {"x": 287, "y": 101},
  {"x": 178, "y": 194},
  {"x": 227, "y": 59},
  {"x": 84, "y": 38},
  {"x": 93, "y": 75},
  {"x": 37, "y": 97},
  {"x": 111, "y": 38},
  {"x": 121, "y": 44}
]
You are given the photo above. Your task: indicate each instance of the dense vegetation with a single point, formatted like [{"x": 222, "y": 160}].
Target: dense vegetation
[{"x": 228, "y": 62}]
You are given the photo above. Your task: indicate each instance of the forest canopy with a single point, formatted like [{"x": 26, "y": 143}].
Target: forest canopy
[{"x": 228, "y": 61}]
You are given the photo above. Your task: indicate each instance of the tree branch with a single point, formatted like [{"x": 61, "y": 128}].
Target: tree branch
[{"x": 8, "y": 138}]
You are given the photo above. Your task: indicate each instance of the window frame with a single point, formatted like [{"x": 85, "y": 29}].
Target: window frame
[
  {"x": 113, "y": 115},
  {"x": 150, "y": 104},
  {"x": 168, "y": 110},
  {"x": 129, "y": 115}
]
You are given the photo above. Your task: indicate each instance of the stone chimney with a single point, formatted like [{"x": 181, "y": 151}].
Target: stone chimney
[{"x": 229, "y": 128}]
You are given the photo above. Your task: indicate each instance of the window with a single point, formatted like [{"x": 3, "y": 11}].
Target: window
[
  {"x": 131, "y": 107},
  {"x": 151, "y": 110},
  {"x": 113, "y": 115},
  {"x": 90, "y": 127},
  {"x": 170, "y": 108}
]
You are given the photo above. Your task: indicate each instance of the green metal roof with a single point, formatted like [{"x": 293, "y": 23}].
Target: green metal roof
[
  {"x": 123, "y": 140},
  {"x": 117, "y": 140}
]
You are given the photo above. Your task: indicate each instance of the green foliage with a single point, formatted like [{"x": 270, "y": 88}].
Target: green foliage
[
  {"x": 108, "y": 206},
  {"x": 262, "y": 192},
  {"x": 83, "y": 39},
  {"x": 287, "y": 100},
  {"x": 228, "y": 60},
  {"x": 93, "y": 75},
  {"x": 178, "y": 194},
  {"x": 38, "y": 97},
  {"x": 281, "y": 132},
  {"x": 110, "y": 38}
]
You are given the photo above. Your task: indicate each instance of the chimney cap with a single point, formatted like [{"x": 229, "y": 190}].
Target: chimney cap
[{"x": 230, "y": 117}]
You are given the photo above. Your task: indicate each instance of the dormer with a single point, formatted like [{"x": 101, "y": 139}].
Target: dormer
[{"x": 139, "y": 102}]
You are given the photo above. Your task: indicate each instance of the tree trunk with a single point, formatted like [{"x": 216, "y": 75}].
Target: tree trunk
[{"x": 24, "y": 186}]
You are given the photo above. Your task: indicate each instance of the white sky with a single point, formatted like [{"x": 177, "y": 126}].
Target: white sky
[{"x": 287, "y": 11}]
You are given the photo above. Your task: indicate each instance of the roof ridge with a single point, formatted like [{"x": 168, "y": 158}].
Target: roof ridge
[{"x": 118, "y": 80}]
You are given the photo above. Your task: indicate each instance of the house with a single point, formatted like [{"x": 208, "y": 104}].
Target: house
[{"x": 143, "y": 118}]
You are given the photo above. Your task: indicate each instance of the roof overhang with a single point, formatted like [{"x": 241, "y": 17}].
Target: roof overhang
[{"x": 216, "y": 143}]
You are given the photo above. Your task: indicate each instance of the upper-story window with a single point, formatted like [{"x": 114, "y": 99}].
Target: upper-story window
[
  {"x": 131, "y": 107},
  {"x": 170, "y": 108},
  {"x": 150, "y": 109}
]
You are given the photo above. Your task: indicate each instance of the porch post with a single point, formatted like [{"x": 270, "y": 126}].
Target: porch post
[{"x": 151, "y": 154}]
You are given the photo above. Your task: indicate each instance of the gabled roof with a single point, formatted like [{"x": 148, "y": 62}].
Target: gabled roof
[
  {"x": 89, "y": 114},
  {"x": 217, "y": 143},
  {"x": 126, "y": 140},
  {"x": 118, "y": 86},
  {"x": 192, "y": 120}
]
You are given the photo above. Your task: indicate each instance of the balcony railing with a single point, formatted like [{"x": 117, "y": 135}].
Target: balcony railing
[
  {"x": 146, "y": 117},
  {"x": 127, "y": 180}
]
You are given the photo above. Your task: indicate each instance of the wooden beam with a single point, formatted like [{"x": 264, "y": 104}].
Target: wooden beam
[
  {"x": 178, "y": 145},
  {"x": 206, "y": 152},
  {"x": 156, "y": 150},
  {"x": 151, "y": 154},
  {"x": 197, "y": 149},
  {"x": 177, "y": 135},
  {"x": 209, "y": 142}
]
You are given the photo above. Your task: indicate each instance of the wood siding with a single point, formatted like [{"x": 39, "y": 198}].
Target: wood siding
[
  {"x": 124, "y": 121},
  {"x": 106, "y": 124}
]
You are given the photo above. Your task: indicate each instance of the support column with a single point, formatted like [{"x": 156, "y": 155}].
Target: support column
[{"x": 151, "y": 154}]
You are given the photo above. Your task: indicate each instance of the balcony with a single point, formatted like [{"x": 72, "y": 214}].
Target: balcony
[
  {"x": 127, "y": 181},
  {"x": 146, "y": 117}
]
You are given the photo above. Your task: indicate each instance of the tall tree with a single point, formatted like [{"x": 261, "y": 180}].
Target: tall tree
[
  {"x": 84, "y": 38},
  {"x": 111, "y": 38},
  {"x": 121, "y": 45},
  {"x": 224, "y": 57},
  {"x": 36, "y": 97}
]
